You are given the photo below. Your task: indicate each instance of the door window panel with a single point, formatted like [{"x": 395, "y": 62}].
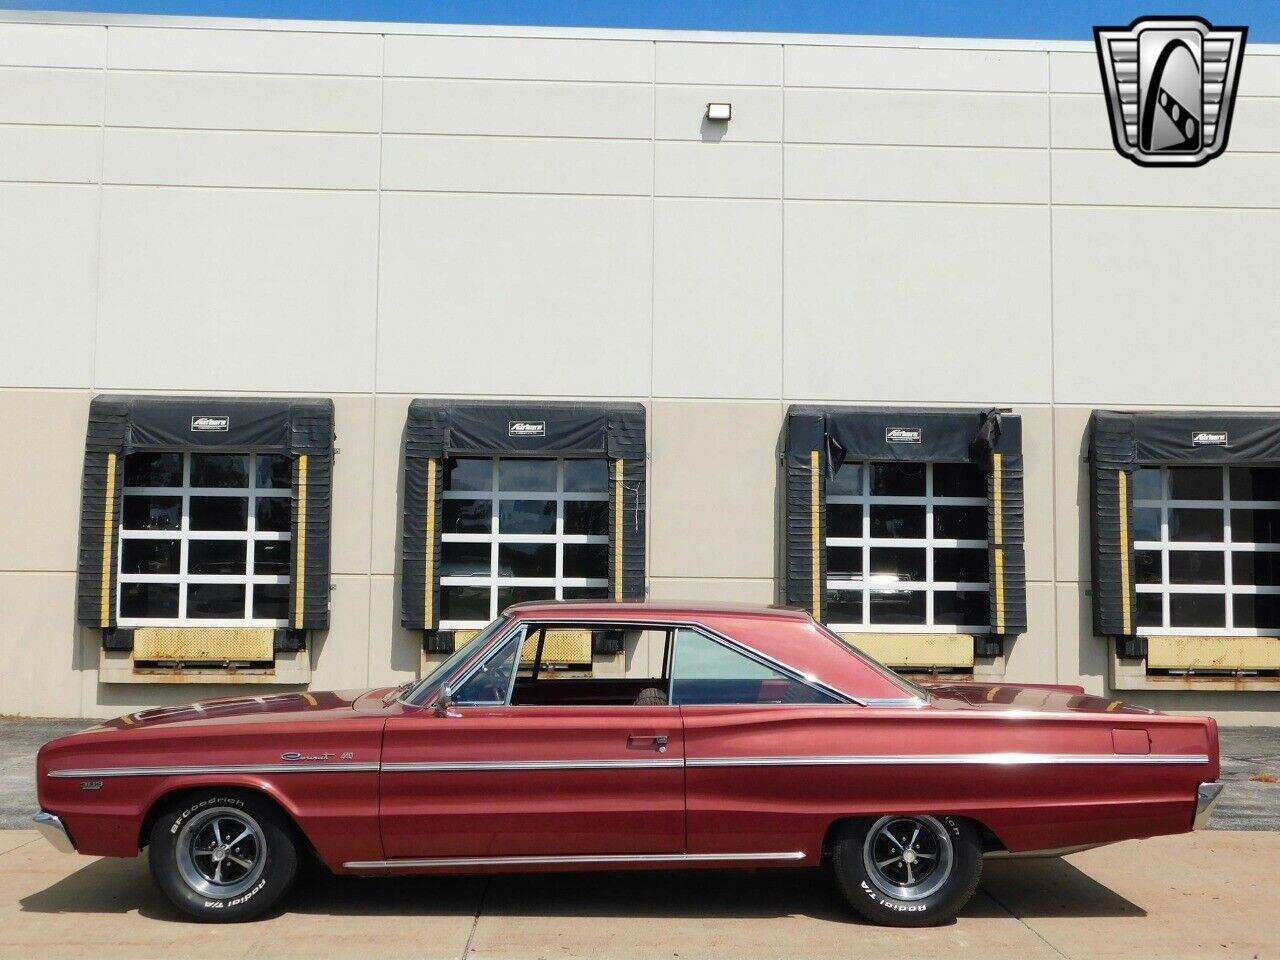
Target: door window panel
[
  {"x": 1193, "y": 525},
  {"x": 706, "y": 671},
  {"x": 527, "y": 560},
  {"x": 468, "y": 474},
  {"x": 151, "y": 556},
  {"x": 1255, "y": 526},
  {"x": 146, "y": 512},
  {"x": 219, "y": 513},
  {"x": 1195, "y": 483},
  {"x": 271, "y": 557},
  {"x": 274, "y": 513},
  {"x": 467, "y": 516},
  {"x": 221, "y": 557},
  {"x": 898, "y": 479},
  {"x": 274, "y": 472},
  {"x": 844, "y": 563},
  {"x": 585, "y": 560},
  {"x": 1257, "y": 611},
  {"x": 899, "y": 607},
  {"x": 153, "y": 470},
  {"x": 1197, "y": 610},
  {"x": 527, "y": 516},
  {"x": 220, "y": 470},
  {"x": 586, "y": 476},
  {"x": 897, "y": 521},
  {"x": 960, "y": 606},
  {"x": 844, "y": 520},
  {"x": 463, "y": 604},
  {"x": 150, "y": 601},
  {"x": 526, "y": 474},
  {"x": 465, "y": 559},
  {"x": 847, "y": 480},
  {"x": 220, "y": 600},
  {"x": 891, "y": 565},
  {"x": 586, "y": 518}
]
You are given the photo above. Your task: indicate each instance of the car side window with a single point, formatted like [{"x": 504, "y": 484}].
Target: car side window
[
  {"x": 491, "y": 682},
  {"x": 707, "y": 671}
]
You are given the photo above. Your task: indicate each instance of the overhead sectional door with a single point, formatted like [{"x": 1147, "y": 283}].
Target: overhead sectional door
[
  {"x": 204, "y": 525},
  {"x": 514, "y": 501},
  {"x": 904, "y": 529},
  {"x": 1186, "y": 541}
]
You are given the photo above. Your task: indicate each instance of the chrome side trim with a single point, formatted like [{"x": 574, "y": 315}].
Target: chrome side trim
[
  {"x": 97, "y": 773},
  {"x": 1039, "y": 854},
  {"x": 51, "y": 828},
  {"x": 985, "y": 759},
  {"x": 875, "y": 759},
  {"x": 605, "y": 858},
  {"x": 1207, "y": 797},
  {"x": 913, "y": 702},
  {"x": 481, "y": 765}
]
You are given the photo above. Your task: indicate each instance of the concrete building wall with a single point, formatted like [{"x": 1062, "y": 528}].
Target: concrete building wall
[{"x": 376, "y": 213}]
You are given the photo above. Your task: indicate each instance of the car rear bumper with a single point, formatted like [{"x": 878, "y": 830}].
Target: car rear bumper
[
  {"x": 51, "y": 829},
  {"x": 1207, "y": 797}
]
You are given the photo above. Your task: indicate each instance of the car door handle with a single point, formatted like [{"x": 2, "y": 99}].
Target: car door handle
[{"x": 651, "y": 741}]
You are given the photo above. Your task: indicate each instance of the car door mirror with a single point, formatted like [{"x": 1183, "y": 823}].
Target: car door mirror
[{"x": 444, "y": 703}]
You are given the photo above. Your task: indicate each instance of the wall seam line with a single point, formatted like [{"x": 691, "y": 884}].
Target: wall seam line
[{"x": 1053, "y": 375}]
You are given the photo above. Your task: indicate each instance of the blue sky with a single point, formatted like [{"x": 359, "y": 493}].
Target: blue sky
[{"x": 1041, "y": 19}]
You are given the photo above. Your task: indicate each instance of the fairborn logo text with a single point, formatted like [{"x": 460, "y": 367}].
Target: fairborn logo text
[
  {"x": 1209, "y": 438},
  {"x": 210, "y": 424},
  {"x": 1170, "y": 84}
]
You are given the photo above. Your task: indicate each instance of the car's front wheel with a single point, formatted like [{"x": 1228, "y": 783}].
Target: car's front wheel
[
  {"x": 907, "y": 870},
  {"x": 222, "y": 856}
]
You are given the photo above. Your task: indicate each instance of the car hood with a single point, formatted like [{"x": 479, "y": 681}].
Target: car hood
[
  {"x": 1039, "y": 698},
  {"x": 323, "y": 705}
]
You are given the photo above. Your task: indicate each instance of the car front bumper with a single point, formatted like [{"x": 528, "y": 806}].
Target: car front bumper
[
  {"x": 51, "y": 828},
  {"x": 1207, "y": 797}
]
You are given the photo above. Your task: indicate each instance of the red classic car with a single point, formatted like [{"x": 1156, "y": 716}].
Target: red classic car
[{"x": 697, "y": 736}]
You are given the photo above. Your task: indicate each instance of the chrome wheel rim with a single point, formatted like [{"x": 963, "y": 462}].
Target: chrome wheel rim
[
  {"x": 221, "y": 852},
  {"x": 908, "y": 858}
]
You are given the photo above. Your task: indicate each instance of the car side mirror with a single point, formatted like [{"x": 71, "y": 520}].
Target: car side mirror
[{"x": 444, "y": 703}]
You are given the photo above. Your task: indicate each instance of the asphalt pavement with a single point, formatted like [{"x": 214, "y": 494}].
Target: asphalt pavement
[{"x": 1246, "y": 804}]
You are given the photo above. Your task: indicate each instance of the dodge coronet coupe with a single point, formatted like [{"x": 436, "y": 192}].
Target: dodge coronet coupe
[{"x": 696, "y": 736}]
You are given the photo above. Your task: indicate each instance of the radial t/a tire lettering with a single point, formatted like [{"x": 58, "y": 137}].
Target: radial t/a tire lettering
[
  {"x": 223, "y": 855},
  {"x": 909, "y": 870}
]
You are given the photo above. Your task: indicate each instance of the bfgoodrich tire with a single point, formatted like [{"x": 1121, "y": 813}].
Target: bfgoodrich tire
[
  {"x": 909, "y": 870},
  {"x": 223, "y": 855}
]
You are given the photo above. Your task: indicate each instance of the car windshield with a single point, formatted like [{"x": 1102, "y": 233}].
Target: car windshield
[{"x": 419, "y": 692}]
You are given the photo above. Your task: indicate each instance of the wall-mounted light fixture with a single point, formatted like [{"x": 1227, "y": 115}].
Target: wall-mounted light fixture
[{"x": 719, "y": 111}]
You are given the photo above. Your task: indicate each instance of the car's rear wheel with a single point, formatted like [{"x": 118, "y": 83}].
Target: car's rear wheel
[
  {"x": 910, "y": 870},
  {"x": 222, "y": 856}
]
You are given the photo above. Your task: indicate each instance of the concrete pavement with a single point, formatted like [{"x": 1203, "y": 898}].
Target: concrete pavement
[{"x": 1206, "y": 895}]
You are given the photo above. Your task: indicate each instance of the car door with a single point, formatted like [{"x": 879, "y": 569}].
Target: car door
[
  {"x": 492, "y": 780},
  {"x": 752, "y": 734}
]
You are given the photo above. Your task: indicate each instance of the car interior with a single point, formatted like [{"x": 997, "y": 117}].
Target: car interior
[{"x": 645, "y": 666}]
